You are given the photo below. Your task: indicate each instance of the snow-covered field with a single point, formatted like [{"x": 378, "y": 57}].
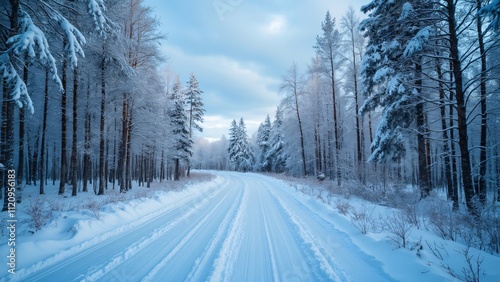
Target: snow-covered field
[{"x": 234, "y": 227}]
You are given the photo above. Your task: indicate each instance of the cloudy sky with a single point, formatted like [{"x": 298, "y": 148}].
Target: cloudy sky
[{"x": 239, "y": 49}]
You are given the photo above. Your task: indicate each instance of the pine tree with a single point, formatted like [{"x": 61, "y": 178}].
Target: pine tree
[
  {"x": 276, "y": 156},
  {"x": 392, "y": 72},
  {"x": 247, "y": 157},
  {"x": 328, "y": 49},
  {"x": 182, "y": 143},
  {"x": 195, "y": 109},
  {"x": 233, "y": 148},
  {"x": 240, "y": 150},
  {"x": 263, "y": 135}
]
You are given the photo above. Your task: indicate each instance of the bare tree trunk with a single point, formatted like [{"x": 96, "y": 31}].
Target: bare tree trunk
[
  {"x": 453, "y": 152},
  {"x": 423, "y": 179},
  {"x": 74, "y": 159},
  {"x": 483, "y": 164},
  {"x": 177, "y": 174},
  {"x": 446, "y": 140},
  {"x": 356, "y": 105},
  {"x": 102, "y": 176},
  {"x": 303, "y": 151},
  {"x": 63, "y": 168},
  {"x": 461, "y": 110},
  {"x": 124, "y": 153},
  {"x": 335, "y": 121},
  {"x": 44, "y": 129},
  {"x": 34, "y": 161},
  {"x": 129, "y": 155},
  {"x": 22, "y": 116},
  {"x": 54, "y": 164},
  {"x": 86, "y": 154}
]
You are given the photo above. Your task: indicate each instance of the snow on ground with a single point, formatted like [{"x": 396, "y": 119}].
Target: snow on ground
[{"x": 232, "y": 227}]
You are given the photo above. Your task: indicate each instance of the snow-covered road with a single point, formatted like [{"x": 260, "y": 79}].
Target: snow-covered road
[{"x": 249, "y": 227}]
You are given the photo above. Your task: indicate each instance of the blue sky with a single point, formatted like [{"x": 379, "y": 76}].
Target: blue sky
[{"x": 239, "y": 49}]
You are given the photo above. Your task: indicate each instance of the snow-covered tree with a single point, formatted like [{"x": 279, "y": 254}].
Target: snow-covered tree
[
  {"x": 263, "y": 135},
  {"x": 328, "y": 49},
  {"x": 24, "y": 42},
  {"x": 492, "y": 10},
  {"x": 393, "y": 74},
  {"x": 276, "y": 155},
  {"x": 194, "y": 107},
  {"x": 240, "y": 150},
  {"x": 183, "y": 144}
]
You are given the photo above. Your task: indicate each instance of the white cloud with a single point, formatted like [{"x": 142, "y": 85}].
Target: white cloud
[{"x": 232, "y": 89}]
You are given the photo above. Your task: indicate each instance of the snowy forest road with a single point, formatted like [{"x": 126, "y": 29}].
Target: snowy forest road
[{"x": 249, "y": 228}]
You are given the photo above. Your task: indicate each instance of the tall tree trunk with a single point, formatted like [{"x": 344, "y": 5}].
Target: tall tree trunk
[
  {"x": 483, "y": 164},
  {"x": 129, "y": 155},
  {"x": 22, "y": 116},
  {"x": 162, "y": 166},
  {"x": 335, "y": 121},
  {"x": 423, "y": 179},
  {"x": 177, "y": 174},
  {"x": 453, "y": 151},
  {"x": 446, "y": 140},
  {"x": 64, "y": 164},
  {"x": 461, "y": 110},
  {"x": 359, "y": 144},
  {"x": 34, "y": 161},
  {"x": 124, "y": 153},
  {"x": 44, "y": 129},
  {"x": 86, "y": 154},
  {"x": 102, "y": 176},
  {"x": 54, "y": 164},
  {"x": 303, "y": 151},
  {"x": 74, "y": 159}
]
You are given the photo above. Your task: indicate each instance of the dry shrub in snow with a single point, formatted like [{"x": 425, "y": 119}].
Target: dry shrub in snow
[
  {"x": 443, "y": 220},
  {"x": 399, "y": 228},
  {"x": 342, "y": 205},
  {"x": 94, "y": 205},
  {"x": 38, "y": 212},
  {"x": 362, "y": 218}
]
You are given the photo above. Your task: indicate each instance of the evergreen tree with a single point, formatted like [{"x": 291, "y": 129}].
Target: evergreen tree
[
  {"x": 233, "y": 149},
  {"x": 263, "y": 135},
  {"x": 240, "y": 150},
  {"x": 276, "y": 156},
  {"x": 182, "y": 143},
  {"x": 393, "y": 75},
  {"x": 247, "y": 157},
  {"x": 195, "y": 109},
  {"x": 328, "y": 50}
]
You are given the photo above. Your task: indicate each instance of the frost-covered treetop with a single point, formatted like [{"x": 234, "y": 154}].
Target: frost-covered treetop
[{"x": 29, "y": 42}]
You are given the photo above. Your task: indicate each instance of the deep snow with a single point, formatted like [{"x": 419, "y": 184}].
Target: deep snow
[{"x": 235, "y": 227}]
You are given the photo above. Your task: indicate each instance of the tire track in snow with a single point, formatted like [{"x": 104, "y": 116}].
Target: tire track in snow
[
  {"x": 327, "y": 262},
  {"x": 59, "y": 261},
  {"x": 145, "y": 241},
  {"x": 189, "y": 236},
  {"x": 222, "y": 231},
  {"x": 268, "y": 238},
  {"x": 358, "y": 264},
  {"x": 223, "y": 265}
]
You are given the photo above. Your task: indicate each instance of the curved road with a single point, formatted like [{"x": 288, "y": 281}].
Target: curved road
[{"x": 249, "y": 228}]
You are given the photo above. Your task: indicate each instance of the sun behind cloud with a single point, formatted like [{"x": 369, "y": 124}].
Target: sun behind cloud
[{"x": 277, "y": 24}]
